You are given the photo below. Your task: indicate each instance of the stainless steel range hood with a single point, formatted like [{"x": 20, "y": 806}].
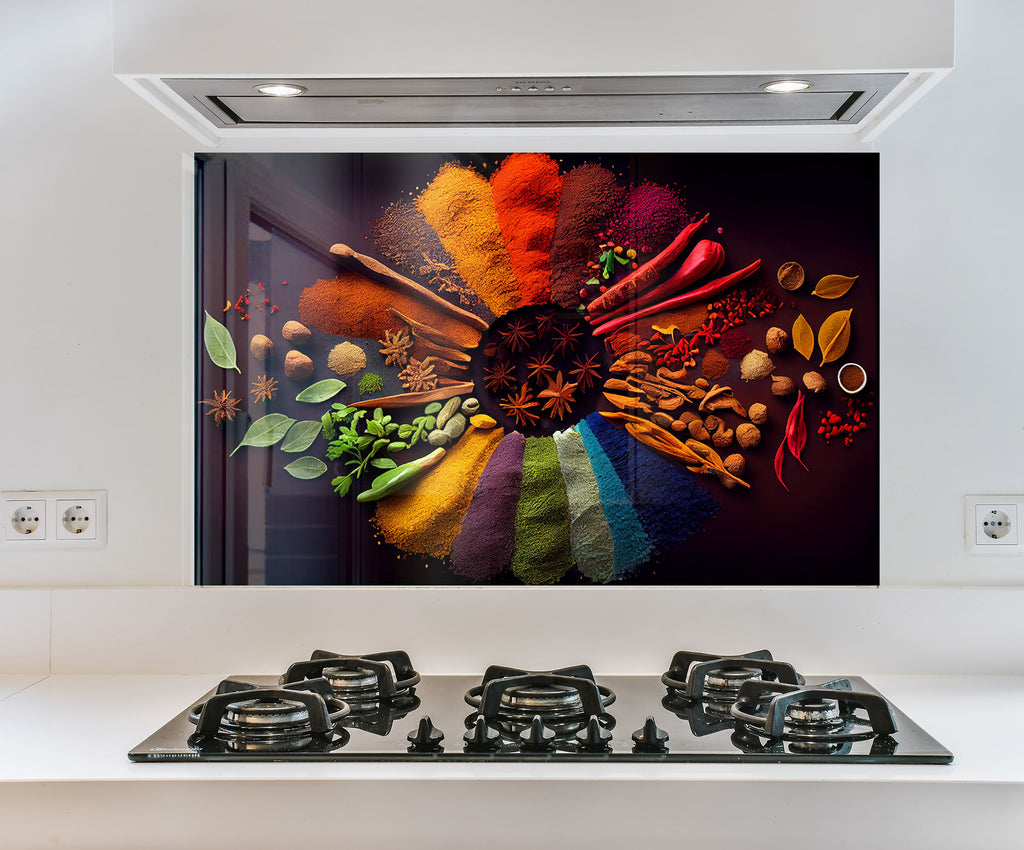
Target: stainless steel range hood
[
  {"x": 582, "y": 65},
  {"x": 551, "y": 101}
]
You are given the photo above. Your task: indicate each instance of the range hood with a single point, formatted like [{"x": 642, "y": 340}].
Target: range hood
[{"x": 451, "y": 64}]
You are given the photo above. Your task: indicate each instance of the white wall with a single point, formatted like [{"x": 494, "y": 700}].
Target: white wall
[{"x": 92, "y": 377}]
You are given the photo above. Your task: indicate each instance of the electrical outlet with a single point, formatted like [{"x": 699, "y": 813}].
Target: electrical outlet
[
  {"x": 991, "y": 525},
  {"x": 26, "y": 519},
  {"x": 54, "y": 519}
]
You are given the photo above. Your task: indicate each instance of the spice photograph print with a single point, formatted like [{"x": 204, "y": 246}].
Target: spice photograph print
[{"x": 533, "y": 368}]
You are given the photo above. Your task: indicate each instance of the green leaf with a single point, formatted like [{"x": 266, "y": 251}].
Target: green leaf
[
  {"x": 405, "y": 431},
  {"x": 364, "y": 441},
  {"x": 383, "y": 463},
  {"x": 266, "y": 431},
  {"x": 327, "y": 426},
  {"x": 306, "y": 468},
  {"x": 341, "y": 485},
  {"x": 380, "y": 444},
  {"x": 374, "y": 427},
  {"x": 301, "y": 436},
  {"x": 219, "y": 344},
  {"x": 378, "y": 413},
  {"x": 321, "y": 391}
]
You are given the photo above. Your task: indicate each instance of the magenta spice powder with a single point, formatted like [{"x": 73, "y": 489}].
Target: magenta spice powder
[
  {"x": 735, "y": 344},
  {"x": 485, "y": 541},
  {"x": 649, "y": 218}
]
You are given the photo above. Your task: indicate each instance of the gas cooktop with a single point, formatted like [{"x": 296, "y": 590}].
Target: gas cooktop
[{"x": 704, "y": 708}]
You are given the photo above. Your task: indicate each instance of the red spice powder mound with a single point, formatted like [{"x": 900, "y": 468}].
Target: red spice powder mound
[
  {"x": 459, "y": 205},
  {"x": 714, "y": 365},
  {"x": 589, "y": 194},
  {"x": 735, "y": 344},
  {"x": 649, "y": 218},
  {"x": 356, "y": 306},
  {"x": 526, "y": 191}
]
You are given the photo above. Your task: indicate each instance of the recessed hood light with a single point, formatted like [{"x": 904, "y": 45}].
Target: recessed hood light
[
  {"x": 280, "y": 90},
  {"x": 786, "y": 86}
]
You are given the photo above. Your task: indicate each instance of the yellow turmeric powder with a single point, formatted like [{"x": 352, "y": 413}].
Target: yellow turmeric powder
[
  {"x": 426, "y": 518},
  {"x": 459, "y": 205}
]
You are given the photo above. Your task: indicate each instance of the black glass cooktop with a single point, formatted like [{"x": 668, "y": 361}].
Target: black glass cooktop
[{"x": 555, "y": 716}]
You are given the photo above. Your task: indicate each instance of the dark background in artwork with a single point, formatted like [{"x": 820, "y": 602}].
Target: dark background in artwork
[{"x": 271, "y": 218}]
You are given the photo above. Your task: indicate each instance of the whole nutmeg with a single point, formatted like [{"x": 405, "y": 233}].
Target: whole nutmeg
[
  {"x": 261, "y": 346},
  {"x": 777, "y": 340},
  {"x": 297, "y": 365},
  {"x": 736, "y": 464},
  {"x": 758, "y": 413},
  {"x": 814, "y": 381},
  {"x": 782, "y": 386},
  {"x": 296, "y": 332},
  {"x": 756, "y": 366},
  {"x": 748, "y": 435},
  {"x": 723, "y": 438}
]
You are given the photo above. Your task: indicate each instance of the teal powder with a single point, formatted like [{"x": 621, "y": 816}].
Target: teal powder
[
  {"x": 632, "y": 548},
  {"x": 543, "y": 553},
  {"x": 591, "y": 538}
]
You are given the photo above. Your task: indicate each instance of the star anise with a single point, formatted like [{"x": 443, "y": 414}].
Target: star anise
[
  {"x": 500, "y": 376},
  {"x": 264, "y": 388},
  {"x": 418, "y": 375},
  {"x": 559, "y": 397},
  {"x": 587, "y": 371},
  {"x": 545, "y": 322},
  {"x": 517, "y": 336},
  {"x": 396, "y": 347},
  {"x": 520, "y": 407},
  {"x": 541, "y": 368},
  {"x": 223, "y": 406},
  {"x": 566, "y": 337}
]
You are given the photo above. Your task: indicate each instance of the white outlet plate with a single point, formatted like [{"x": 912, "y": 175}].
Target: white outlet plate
[
  {"x": 24, "y": 520},
  {"x": 52, "y": 532},
  {"x": 991, "y": 525}
]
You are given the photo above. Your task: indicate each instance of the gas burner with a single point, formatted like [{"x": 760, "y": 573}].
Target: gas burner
[
  {"x": 364, "y": 681},
  {"x": 717, "y": 679},
  {"x": 813, "y": 719},
  {"x": 563, "y": 699},
  {"x": 242, "y": 717}
]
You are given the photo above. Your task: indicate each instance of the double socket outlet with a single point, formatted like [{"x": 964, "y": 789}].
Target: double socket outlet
[
  {"x": 991, "y": 525},
  {"x": 54, "y": 519}
]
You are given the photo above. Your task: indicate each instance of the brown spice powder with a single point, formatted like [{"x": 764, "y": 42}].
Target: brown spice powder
[
  {"x": 356, "y": 306},
  {"x": 426, "y": 518},
  {"x": 714, "y": 365}
]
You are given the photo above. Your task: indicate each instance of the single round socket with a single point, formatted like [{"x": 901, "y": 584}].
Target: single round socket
[
  {"x": 25, "y": 520},
  {"x": 76, "y": 519},
  {"x": 996, "y": 524}
]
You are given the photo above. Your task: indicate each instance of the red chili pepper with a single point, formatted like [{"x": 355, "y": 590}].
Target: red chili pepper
[
  {"x": 274, "y": 309},
  {"x": 284, "y": 283},
  {"x": 260, "y": 285},
  {"x": 795, "y": 438},
  {"x": 702, "y": 294}
]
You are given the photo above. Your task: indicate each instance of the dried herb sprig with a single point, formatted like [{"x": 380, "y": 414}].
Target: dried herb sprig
[{"x": 360, "y": 450}]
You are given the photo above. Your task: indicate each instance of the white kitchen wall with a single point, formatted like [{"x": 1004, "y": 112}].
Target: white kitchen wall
[{"x": 94, "y": 374}]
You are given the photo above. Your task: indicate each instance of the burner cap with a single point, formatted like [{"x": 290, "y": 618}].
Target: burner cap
[{"x": 269, "y": 714}]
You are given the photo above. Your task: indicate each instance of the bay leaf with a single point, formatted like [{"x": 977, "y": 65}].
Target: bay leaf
[
  {"x": 321, "y": 391},
  {"x": 803, "y": 337},
  {"x": 301, "y": 435},
  {"x": 834, "y": 336},
  {"x": 306, "y": 468},
  {"x": 219, "y": 344},
  {"x": 834, "y": 286},
  {"x": 266, "y": 431}
]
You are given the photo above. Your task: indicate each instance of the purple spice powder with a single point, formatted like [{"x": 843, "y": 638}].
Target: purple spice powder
[
  {"x": 483, "y": 547},
  {"x": 649, "y": 218}
]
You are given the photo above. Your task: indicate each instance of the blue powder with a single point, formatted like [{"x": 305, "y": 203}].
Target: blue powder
[
  {"x": 632, "y": 547},
  {"x": 669, "y": 503}
]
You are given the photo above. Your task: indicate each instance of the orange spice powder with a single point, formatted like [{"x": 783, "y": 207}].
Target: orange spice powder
[
  {"x": 356, "y": 306},
  {"x": 527, "y": 188},
  {"x": 426, "y": 518},
  {"x": 459, "y": 205}
]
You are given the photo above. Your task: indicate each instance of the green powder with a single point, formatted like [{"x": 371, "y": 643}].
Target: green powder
[
  {"x": 592, "y": 545},
  {"x": 543, "y": 553}
]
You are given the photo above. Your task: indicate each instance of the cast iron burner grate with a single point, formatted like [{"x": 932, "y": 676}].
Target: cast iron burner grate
[
  {"x": 517, "y": 701},
  {"x": 719, "y": 678},
  {"x": 379, "y": 677},
  {"x": 244, "y": 717},
  {"x": 814, "y": 719}
]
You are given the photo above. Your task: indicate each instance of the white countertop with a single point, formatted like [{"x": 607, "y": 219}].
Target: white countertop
[{"x": 60, "y": 746}]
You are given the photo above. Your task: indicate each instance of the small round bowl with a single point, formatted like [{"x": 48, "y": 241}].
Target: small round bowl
[{"x": 849, "y": 371}]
